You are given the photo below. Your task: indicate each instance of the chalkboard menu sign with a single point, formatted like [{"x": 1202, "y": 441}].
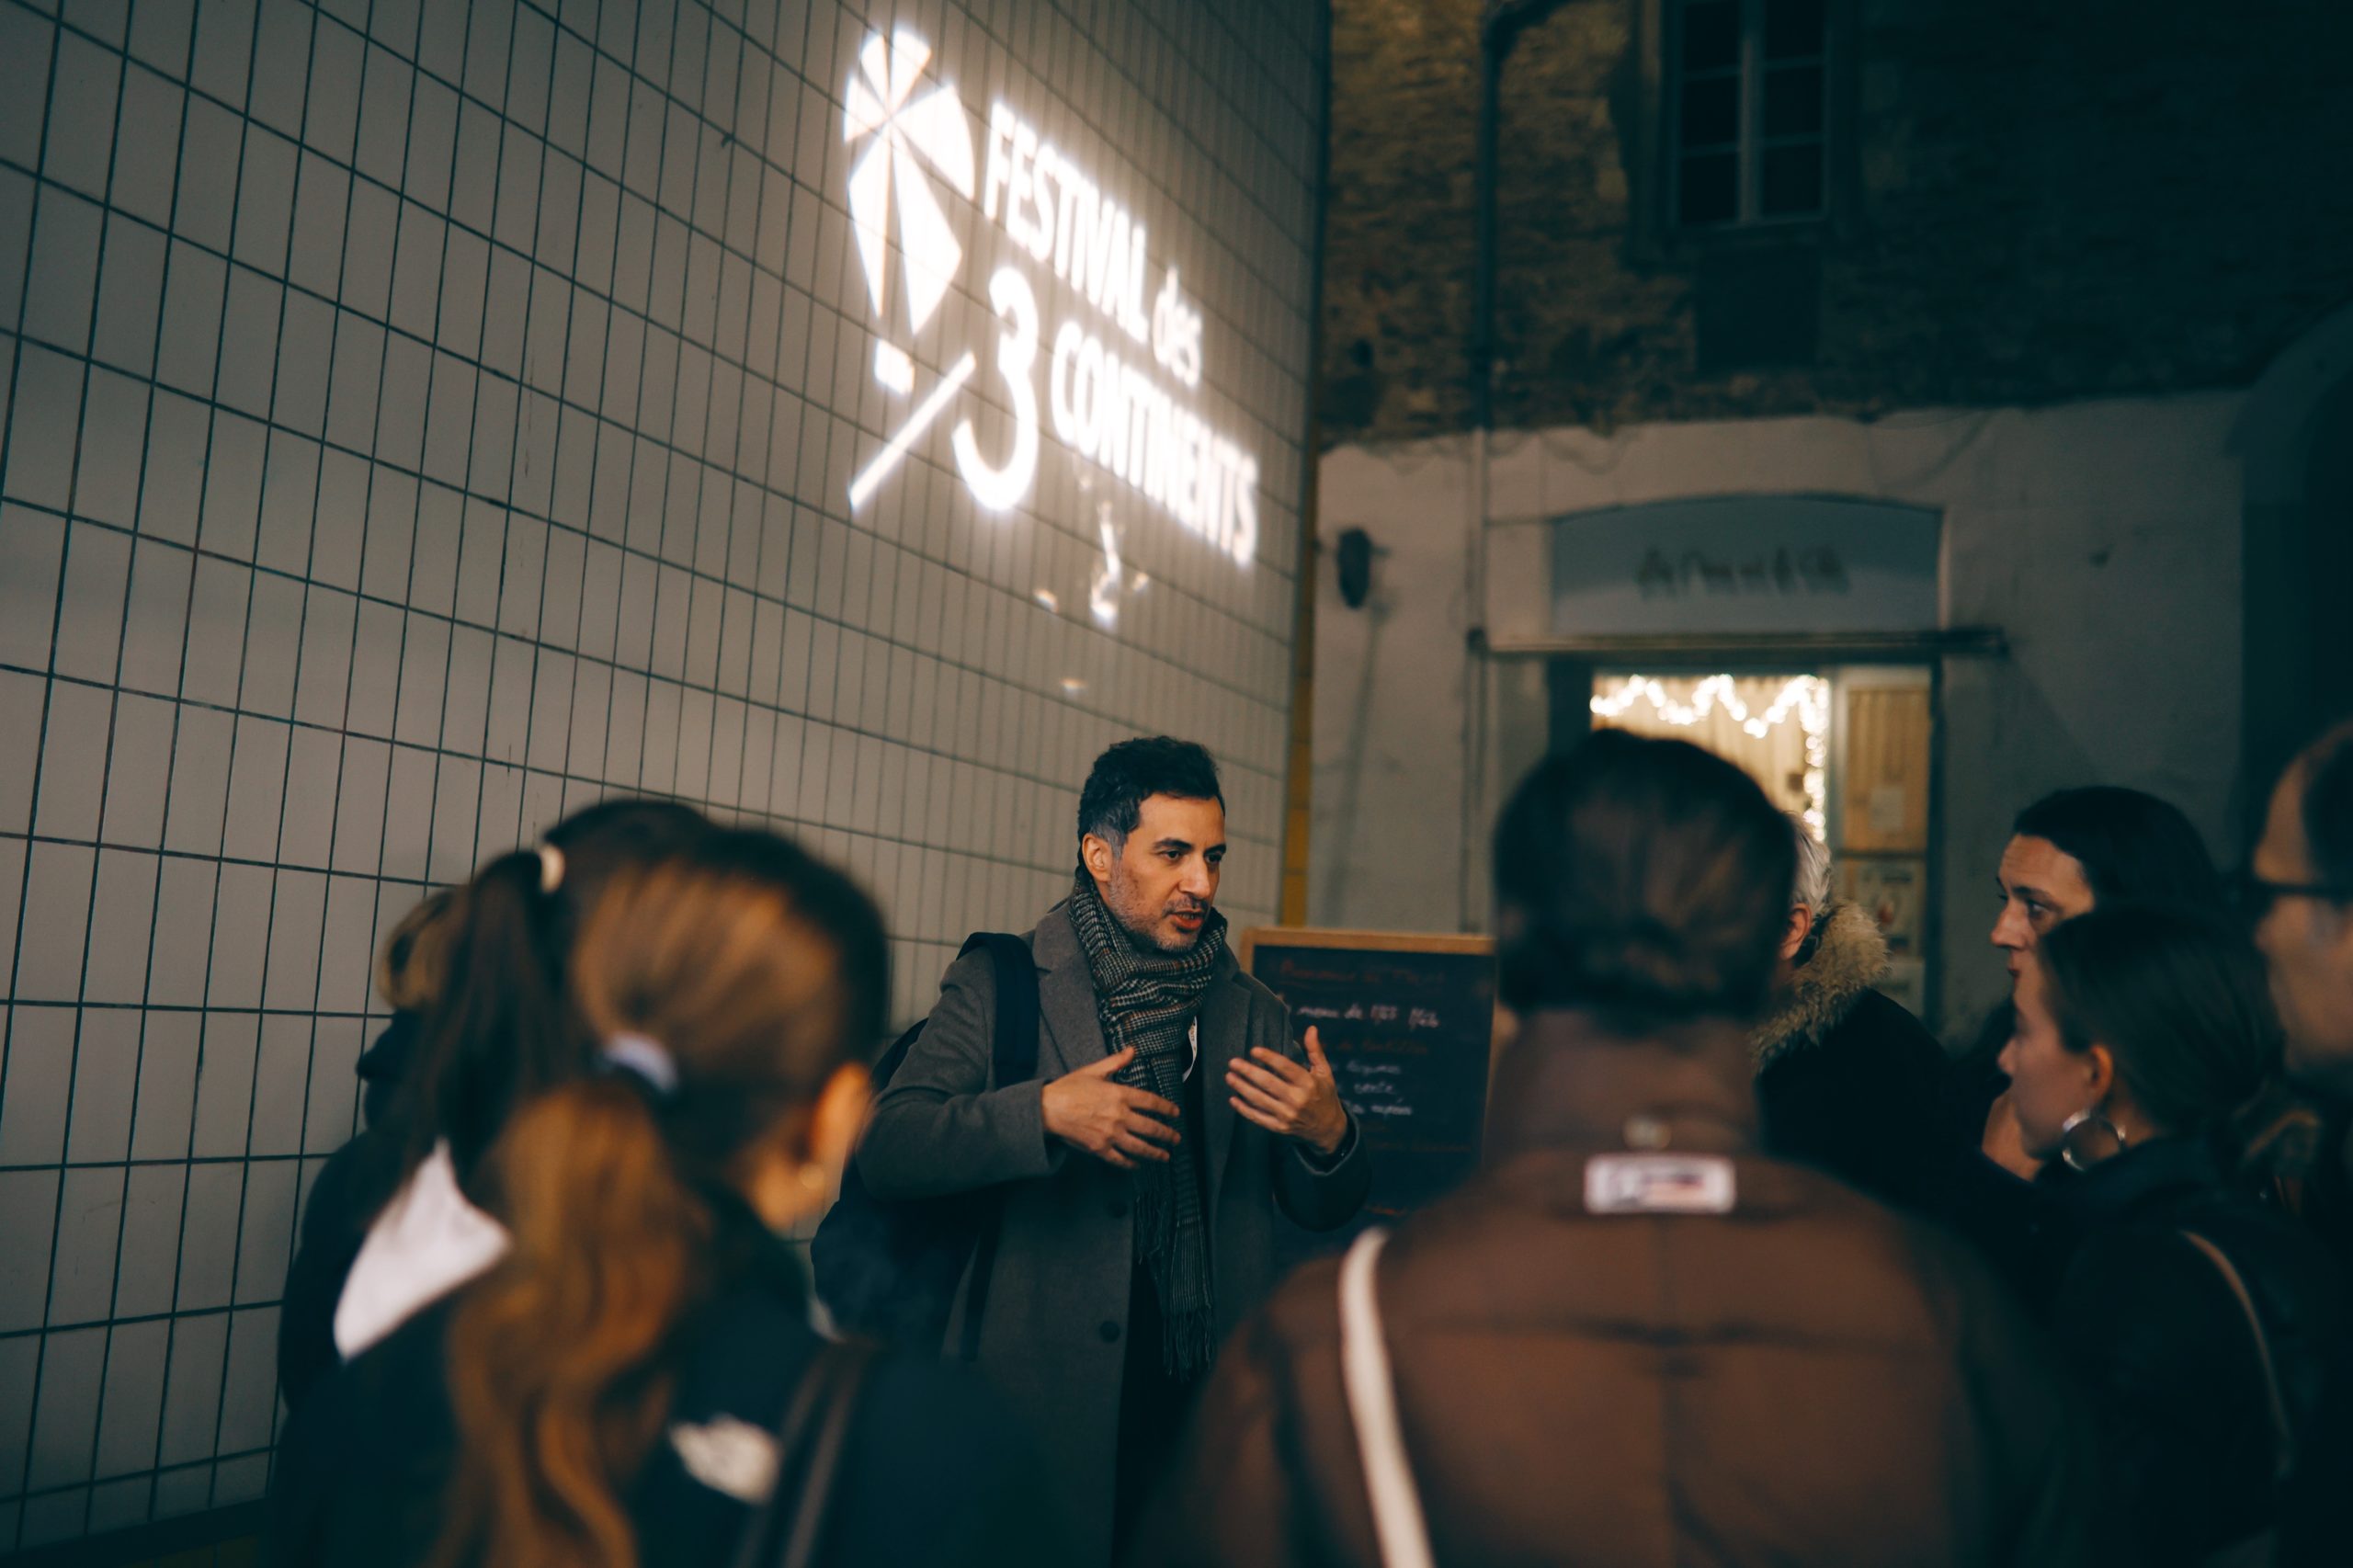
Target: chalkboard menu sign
[{"x": 1408, "y": 1022}]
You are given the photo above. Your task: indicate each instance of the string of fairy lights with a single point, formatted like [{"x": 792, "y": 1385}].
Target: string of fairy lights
[{"x": 1805, "y": 698}]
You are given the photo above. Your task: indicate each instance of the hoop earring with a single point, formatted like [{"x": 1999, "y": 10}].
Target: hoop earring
[{"x": 2067, "y": 1152}]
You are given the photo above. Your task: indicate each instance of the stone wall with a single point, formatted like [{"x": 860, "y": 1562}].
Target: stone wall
[{"x": 2031, "y": 204}]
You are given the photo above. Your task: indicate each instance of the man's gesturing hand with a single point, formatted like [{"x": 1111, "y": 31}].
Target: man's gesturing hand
[
  {"x": 1282, "y": 1096},
  {"x": 1111, "y": 1121}
]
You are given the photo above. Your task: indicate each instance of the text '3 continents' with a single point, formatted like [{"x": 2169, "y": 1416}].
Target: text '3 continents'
[{"x": 1130, "y": 413}]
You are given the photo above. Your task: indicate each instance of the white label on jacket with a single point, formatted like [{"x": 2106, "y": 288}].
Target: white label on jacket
[{"x": 1658, "y": 1184}]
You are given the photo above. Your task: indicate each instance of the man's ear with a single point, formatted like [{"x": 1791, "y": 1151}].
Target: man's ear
[{"x": 1098, "y": 855}]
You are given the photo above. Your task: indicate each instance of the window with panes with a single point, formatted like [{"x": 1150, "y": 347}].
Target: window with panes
[{"x": 1748, "y": 111}]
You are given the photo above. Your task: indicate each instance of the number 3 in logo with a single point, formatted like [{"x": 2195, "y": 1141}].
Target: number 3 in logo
[{"x": 1001, "y": 489}]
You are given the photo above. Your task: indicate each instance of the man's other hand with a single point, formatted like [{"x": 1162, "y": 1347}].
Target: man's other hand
[
  {"x": 1116, "y": 1124},
  {"x": 1282, "y": 1096}
]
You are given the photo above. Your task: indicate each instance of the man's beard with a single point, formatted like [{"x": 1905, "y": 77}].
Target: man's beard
[{"x": 1140, "y": 922}]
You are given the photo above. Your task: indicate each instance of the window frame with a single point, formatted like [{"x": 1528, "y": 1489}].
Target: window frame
[{"x": 1751, "y": 142}]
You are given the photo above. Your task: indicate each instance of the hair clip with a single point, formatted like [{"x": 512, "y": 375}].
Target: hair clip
[
  {"x": 644, "y": 1060},
  {"x": 550, "y": 866}
]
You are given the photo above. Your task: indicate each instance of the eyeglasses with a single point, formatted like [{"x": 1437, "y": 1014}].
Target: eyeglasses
[{"x": 2253, "y": 896}]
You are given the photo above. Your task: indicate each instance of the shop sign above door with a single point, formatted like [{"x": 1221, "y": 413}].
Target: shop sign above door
[{"x": 1746, "y": 565}]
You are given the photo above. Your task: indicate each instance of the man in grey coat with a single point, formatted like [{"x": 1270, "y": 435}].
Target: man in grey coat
[{"x": 1171, "y": 1116}]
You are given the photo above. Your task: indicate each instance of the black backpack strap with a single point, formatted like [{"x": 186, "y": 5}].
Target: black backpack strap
[
  {"x": 1013, "y": 1054},
  {"x": 809, "y": 1443},
  {"x": 1014, "y": 1045}
]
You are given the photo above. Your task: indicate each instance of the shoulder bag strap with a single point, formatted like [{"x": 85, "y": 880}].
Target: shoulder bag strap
[
  {"x": 1013, "y": 1052},
  {"x": 851, "y": 1363},
  {"x": 2283, "y": 1433},
  {"x": 1397, "y": 1519},
  {"x": 816, "y": 1421}
]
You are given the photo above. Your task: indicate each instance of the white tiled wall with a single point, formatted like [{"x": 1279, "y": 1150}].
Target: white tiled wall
[{"x": 419, "y": 417}]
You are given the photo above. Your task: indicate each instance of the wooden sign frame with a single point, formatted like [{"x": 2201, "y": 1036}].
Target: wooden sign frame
[
  {"x": 1429, "y": 1150},
  {"x": 1359, "y": 941},
  {"x": 1506, "y": 1024}
]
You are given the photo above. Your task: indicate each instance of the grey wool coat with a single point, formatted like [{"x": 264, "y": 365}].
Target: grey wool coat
[{"x": 1051, "y": 1336}]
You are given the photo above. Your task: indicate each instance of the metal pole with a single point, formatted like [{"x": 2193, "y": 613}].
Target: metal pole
[{"x": 1500, "y": 25}]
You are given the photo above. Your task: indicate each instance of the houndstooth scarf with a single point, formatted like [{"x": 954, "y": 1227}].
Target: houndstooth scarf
[{"x": 1149, "y": 1000}]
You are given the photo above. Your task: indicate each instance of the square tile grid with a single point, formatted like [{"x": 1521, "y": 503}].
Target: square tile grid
[{"x": 420, "y": 418}]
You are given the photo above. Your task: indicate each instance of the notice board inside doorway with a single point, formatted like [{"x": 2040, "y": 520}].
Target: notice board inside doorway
[{"x": 1409, "y": 1022}]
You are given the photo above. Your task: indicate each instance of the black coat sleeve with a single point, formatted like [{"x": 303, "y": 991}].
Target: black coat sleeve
[
  {"x": 938, "y": 1126},
  {"x": 939, "y": 1473},
  {"x": 2167, "y": 1358},
  {"x": 1866, "y": 1103},
  {"x": 351, "y": 1188}
]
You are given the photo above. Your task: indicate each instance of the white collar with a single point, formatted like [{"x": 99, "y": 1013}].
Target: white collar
[{"x": 428, "y": 1241}]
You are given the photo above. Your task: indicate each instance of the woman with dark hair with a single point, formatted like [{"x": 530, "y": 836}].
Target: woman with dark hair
[
  {"x": 398, "y": 1207},
  {"x": 636, "y": 1381},
  {"x": 2204, "y": 1323}
]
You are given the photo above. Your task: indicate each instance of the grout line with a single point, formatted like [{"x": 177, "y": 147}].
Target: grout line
[
  {"x": 171, "y": 766},
  {"x": 351, "y": 666},
  {"x": 97, "y": 863},
  {"x": 8, "y": 436},
  {"x": 245, "y": 668}
]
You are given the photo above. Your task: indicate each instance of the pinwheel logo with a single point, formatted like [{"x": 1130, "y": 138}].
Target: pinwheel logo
[{"x": 910, "y": 139}]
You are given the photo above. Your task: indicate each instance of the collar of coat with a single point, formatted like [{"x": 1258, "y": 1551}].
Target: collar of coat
[
  {"x": 1572, "y": 1079},
  {"x": 1852, "y": 956}
]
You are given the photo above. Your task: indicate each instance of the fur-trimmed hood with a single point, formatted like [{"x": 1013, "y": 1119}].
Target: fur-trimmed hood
[{"x": 1851, "y": 957}]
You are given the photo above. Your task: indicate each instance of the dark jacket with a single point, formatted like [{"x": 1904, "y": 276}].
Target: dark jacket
[
  {"x": 1059, "y": 1298},
  {"x": 2166, "y": 1350},
  {"x": 384, "y": 1067},
  {"x": 2317, "y": 1513},
  {"x": 349, "y": 1191},
  {"x": 1810, "y": 1378},
  {"x": 1851, "y": 1083},
  {"x": 934, "y": 1471}
]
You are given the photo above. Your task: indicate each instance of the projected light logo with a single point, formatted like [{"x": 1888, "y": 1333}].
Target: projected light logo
[{"x": 1110, "y": 403}]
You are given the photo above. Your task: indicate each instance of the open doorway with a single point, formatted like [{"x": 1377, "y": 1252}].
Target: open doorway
[
  {"x": 1850, "y": 748},
  {"x": 1776, "y": 727}
]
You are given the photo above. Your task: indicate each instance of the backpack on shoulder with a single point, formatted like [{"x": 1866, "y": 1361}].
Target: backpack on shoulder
[{"x": 889, "y": 1271}]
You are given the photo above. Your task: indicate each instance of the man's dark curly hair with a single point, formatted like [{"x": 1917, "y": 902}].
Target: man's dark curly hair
[{"x": 1131, "y": 772}]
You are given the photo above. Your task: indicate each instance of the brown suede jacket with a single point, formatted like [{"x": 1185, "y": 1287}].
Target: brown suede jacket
[{"x": 1809, "y": 1378}]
